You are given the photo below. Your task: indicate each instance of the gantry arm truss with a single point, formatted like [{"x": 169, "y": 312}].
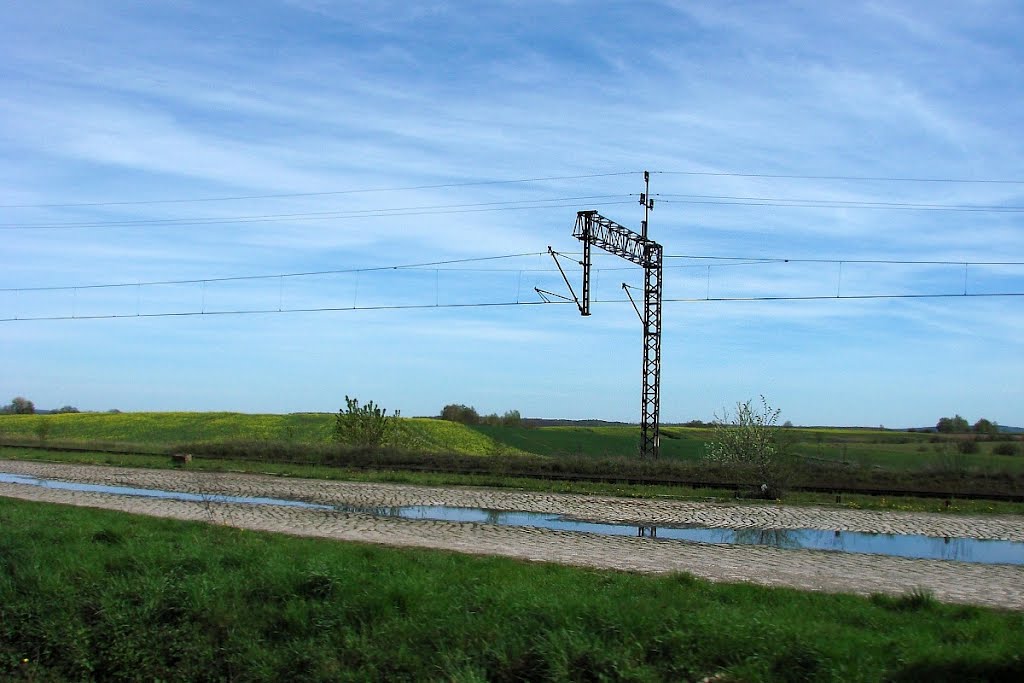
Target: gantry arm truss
[{"x": 594, "y": 229}]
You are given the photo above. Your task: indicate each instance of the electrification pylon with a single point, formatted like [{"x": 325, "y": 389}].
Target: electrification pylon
[{"x": 594, "y": 229}]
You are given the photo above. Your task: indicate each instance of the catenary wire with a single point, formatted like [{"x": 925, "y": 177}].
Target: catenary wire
[
  {"x": 903, "y": 262},
  {"x": 474, "y": 183},
  {"x": 729, "y": 261},
  {"x": 509, "y": 182},
  {"x": 888, "y": 179},
  {"x": 512, "y": 205},
  {"x": 728, "y": 200},
  {"x": 497, "y": 304},
  {"x": 274, "y": 276}
]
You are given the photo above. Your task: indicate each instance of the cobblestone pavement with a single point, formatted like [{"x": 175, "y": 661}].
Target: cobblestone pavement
[{"x": 992, "y": 585}]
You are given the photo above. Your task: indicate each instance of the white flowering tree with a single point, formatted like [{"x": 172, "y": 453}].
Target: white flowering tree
[{"x": 753, "y": 445}]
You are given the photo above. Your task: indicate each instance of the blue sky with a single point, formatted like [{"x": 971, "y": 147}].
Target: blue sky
[{"x": 281, "y": 116}]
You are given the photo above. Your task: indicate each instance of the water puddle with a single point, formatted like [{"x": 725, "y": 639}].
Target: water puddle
[
  {"x": 897, "y": 545},
  {"x": 153, "y": 493}
]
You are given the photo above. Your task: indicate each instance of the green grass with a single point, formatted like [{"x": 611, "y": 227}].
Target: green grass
[
  {"x": 912, "y": 455},
  {"x": 97, "y": 595}
]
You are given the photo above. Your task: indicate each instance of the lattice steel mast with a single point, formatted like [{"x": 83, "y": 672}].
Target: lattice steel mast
[{"x": 594, "y": 229}]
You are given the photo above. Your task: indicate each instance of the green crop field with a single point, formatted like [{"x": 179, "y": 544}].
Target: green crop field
[
  {"x": 169, "y": 429},
  {"x": 595, "y": 441},
  {"x": 866, "y": 448}
]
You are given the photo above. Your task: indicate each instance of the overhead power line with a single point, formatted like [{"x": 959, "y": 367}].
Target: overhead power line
[
  {"x": 904, "y": 262},
  {"x": 727, "y": 200},
  {"x": 286, "y": 195},
  {"x": 511, "y": 205},
  {"x": 510, "y": 181},
  {"x": 274, "y": 276},
  {"x": 846, "y": 297},
  {"x": 264, "y": 311},
  {"x": 439, "y": 265},
  {"x": 498, "y": 304},
  {"x": 887, "y": 179}
]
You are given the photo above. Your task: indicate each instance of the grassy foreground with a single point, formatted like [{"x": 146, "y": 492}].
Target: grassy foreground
[{"x": 90, "y": 594}]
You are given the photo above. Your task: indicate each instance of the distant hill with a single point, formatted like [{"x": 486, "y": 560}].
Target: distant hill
[{"x": 545, "y": 422}]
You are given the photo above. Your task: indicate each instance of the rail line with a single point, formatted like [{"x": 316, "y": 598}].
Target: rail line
[{"x": 645, "y": 480}]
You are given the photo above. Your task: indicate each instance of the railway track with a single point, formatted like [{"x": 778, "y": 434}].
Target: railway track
[{"x": 607, "y": 478}]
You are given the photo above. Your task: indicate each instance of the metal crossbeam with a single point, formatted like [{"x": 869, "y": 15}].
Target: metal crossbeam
[{"x": 593, "y": 228}]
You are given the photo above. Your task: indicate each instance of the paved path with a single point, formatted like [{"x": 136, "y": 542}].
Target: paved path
[{"x": 992, "y": 585}]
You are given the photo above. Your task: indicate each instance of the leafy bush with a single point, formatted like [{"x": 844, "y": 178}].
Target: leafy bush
[
  {"x": 968, "y": 446},
  {"x": 1006, "y": 448},
  {"x": 366, "y": 426}
]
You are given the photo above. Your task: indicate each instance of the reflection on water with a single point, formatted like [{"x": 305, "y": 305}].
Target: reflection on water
[
  {"x": 776, "y": 538},
  {"x": 153, "y": 493},
  {"x": 898, "y": 545},
  {"x": 911, "y": 546}
]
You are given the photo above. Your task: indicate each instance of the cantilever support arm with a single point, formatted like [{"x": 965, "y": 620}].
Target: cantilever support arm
[
  {"x": 636, "y": 308},
  {"x": 575, "y": 298},
  {"x": 544, "y": 294}
]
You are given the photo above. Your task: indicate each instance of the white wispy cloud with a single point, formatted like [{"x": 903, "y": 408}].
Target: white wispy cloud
[{"x": 198, "y": 100}]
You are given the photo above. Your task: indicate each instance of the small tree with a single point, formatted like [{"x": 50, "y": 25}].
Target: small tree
[
  {"x": 753, "y": 445},
  {"x": 984, "y": 426},
  {"x": 368, "y": 425},
  {"x": 42, "y": 428},
  {"x": 67, "y": 409}
]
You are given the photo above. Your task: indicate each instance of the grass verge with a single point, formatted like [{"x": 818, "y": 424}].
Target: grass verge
[{"x": 93, "y": 594}]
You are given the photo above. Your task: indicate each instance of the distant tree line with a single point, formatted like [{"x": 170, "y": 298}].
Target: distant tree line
[
  {"x": 467, "y": 415},
  {"x": 959, "y": 425},
  {"x": 20, "y": 405}
]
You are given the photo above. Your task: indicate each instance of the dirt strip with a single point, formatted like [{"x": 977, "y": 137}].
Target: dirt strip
[{"x": 990, "y": 585}]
